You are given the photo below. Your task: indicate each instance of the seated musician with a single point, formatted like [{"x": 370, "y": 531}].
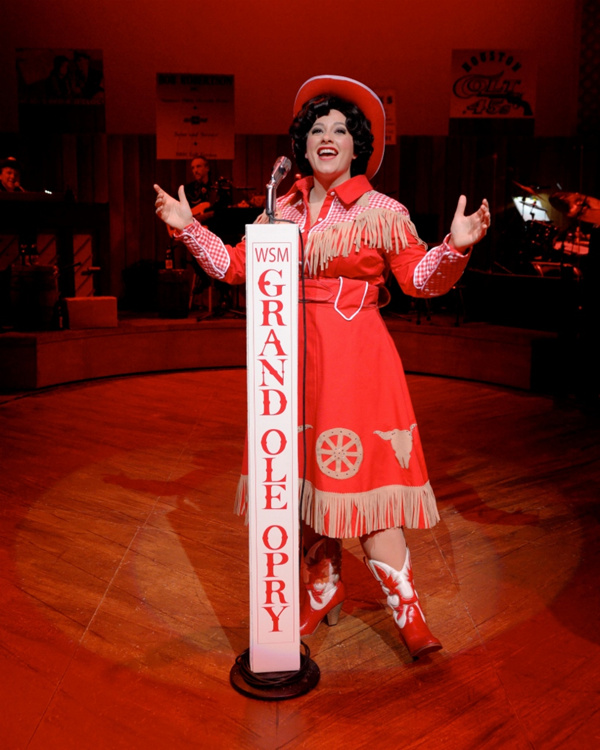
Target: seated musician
[
  {"x": 10, "y": 176},
  {"x": 204, "y": 201},
  {"x": 200, "y": 192}
]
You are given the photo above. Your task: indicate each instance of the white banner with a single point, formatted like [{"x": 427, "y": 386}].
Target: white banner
[
  {"x": 272, "y": 344},
  {"x": 388, "y": 99},
  {"x": 194, "y": 115}
]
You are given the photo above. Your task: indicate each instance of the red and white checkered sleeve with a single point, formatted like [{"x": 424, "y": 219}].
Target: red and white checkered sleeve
[
  {"x": 439, "y": 269},
  {"x": 206, "y": 247}
]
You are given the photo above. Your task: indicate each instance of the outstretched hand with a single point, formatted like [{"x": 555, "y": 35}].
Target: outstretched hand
[
  {"x": 176, "y": 213},
  {"x": 469, "y": 230}
]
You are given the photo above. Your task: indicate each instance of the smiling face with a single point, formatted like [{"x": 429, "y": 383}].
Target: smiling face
[
  {"x": 330, "y": 149},
  {"x": 9, "y": 178}
]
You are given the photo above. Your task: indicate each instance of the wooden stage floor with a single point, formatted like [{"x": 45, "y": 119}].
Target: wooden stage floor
[{"x": 124, "y": 584}]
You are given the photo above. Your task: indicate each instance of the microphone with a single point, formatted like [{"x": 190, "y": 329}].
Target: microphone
[{"x": 280, "y": 169}]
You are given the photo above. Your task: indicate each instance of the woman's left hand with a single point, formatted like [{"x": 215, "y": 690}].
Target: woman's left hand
[{"x": 467, "y": 231}]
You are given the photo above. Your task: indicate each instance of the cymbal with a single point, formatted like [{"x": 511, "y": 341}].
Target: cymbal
[
  {"x": 577, "y": 206},
  {"x": 525, "y": 188}
]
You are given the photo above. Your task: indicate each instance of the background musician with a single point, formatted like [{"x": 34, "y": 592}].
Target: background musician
[
  {"x": 10, "y": 176},
  {"x": 204, "y": 199},
  {"x": 199, "y": 192}
]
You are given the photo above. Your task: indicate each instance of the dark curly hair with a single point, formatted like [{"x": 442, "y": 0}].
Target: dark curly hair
[{"x": 358, "y": 126}]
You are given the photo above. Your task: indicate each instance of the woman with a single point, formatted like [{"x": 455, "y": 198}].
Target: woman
[{"x": 365, "y": 475}]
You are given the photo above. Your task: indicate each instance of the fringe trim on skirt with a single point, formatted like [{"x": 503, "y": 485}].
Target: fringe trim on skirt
[{"x": 347, "y": 516}]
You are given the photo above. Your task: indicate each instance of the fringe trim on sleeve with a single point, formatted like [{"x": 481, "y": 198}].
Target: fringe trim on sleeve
[
  {"x": 375, "y": 227},
  {"x": 345, "y": 516}
]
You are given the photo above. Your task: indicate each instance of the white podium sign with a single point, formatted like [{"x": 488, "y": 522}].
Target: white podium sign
[{"x": 272, "y": 361}]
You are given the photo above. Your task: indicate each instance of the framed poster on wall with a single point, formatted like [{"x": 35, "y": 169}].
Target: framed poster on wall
[{"x": 61, "y": 90}]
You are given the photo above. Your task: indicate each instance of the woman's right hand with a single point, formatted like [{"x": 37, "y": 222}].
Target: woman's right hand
[{"x": 176, "y": 213}]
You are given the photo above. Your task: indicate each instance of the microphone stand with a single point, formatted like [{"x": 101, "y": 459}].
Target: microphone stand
[
  {"x": 280, "y": 169},
  {"x": 274, "y": 686},
  {"x": 271, "y": 200}
]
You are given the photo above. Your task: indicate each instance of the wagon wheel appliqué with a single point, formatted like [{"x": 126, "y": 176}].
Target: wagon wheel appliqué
[{"x": 339, "y": 453}]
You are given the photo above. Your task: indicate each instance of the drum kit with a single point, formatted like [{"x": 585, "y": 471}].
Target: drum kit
[{"x": 556, "y": 226}]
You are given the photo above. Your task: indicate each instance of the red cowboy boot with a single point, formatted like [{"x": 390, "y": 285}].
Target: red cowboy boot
[
  {"x": 324, "y": 590},
  {"x": 403, "y": 599}
]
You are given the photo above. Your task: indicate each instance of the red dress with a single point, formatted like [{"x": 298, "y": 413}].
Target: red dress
[{"x": 365, "y": 468}]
